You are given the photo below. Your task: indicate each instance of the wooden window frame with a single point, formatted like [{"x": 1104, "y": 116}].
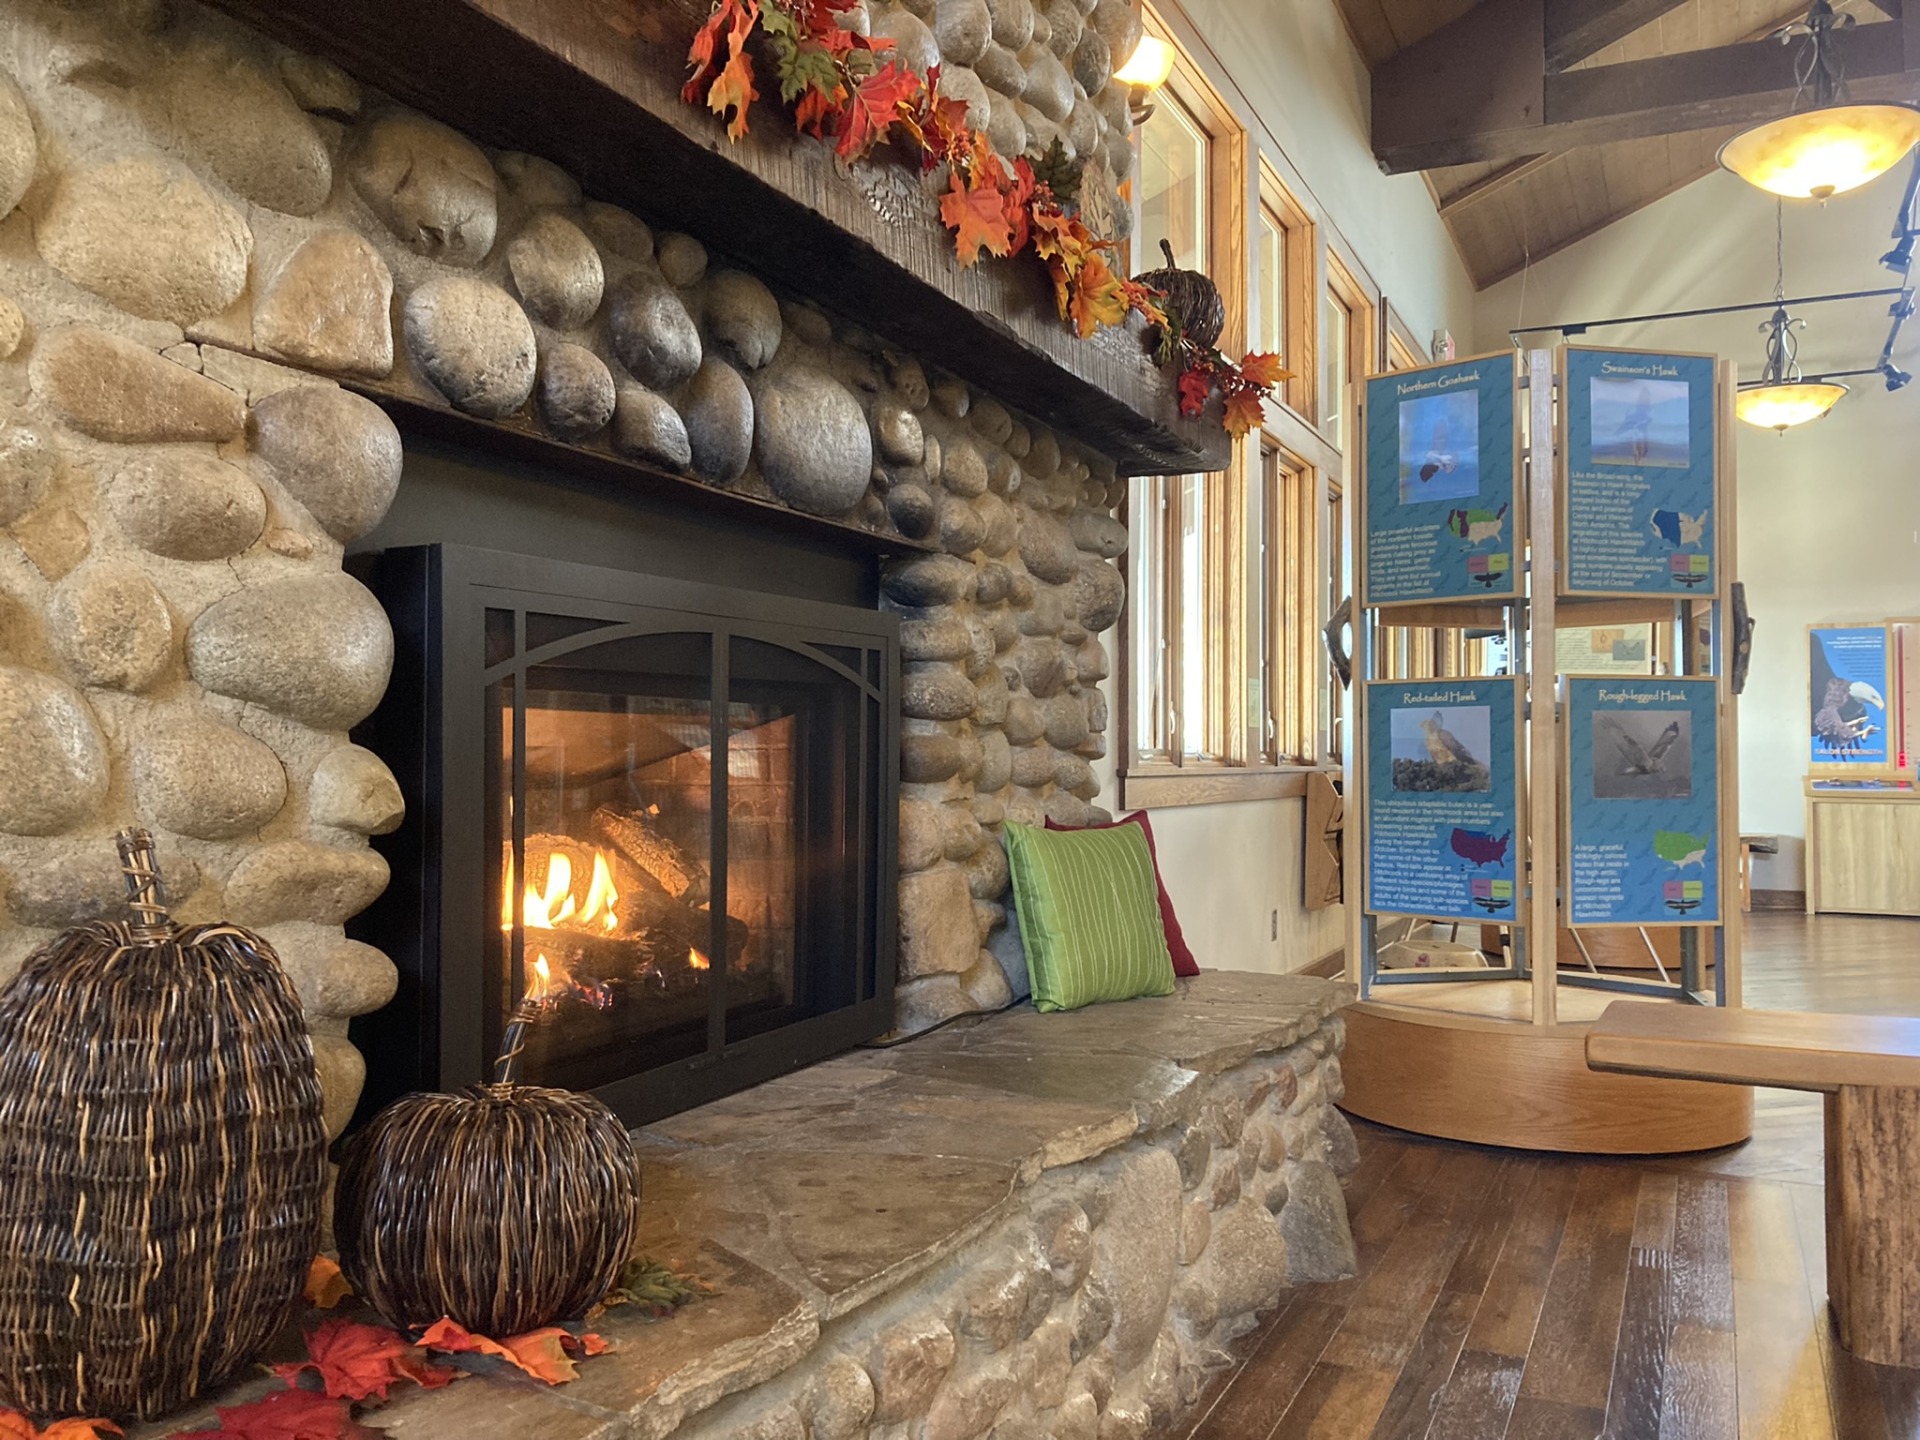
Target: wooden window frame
[{"x": 1299, "y": 341}]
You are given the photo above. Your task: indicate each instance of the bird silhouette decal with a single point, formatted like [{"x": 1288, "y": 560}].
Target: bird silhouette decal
[
  {"x": 1443, "y": 746},
  {"x": 1638, "y": 759}
]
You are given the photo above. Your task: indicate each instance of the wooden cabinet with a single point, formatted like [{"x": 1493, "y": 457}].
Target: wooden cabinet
[{"x": 1863, "y": 853}]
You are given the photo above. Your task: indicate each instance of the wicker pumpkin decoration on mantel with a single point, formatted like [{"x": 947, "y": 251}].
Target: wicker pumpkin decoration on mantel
[
  {"x": 506, "y": 1207},
  {"x": 1193, "y": 301},
  {"x": 162, "y": 1160}
]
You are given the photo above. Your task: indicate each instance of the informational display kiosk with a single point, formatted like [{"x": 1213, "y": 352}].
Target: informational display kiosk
[{"x": 1574, "y": 507}]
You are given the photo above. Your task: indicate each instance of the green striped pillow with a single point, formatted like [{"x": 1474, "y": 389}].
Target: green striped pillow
[{"x": 1089, "y": 913}]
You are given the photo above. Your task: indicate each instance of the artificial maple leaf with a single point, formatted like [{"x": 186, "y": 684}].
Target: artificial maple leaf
[
  {"x": 1263, "y": 370},
  {"x": 326, "y": 1286},
  {"x": 1194, "y": 385},
  {"x": 544, "y": 1354},
  {"x": 1244, "y": 412},
  {"x": 354, "y": 1361},
  {"x": 15, "y": 1426},
  {"x": 976, "y": 217},
  {"x": 816, "y": 109},
  {"x": 1097, "y": 297},
  {"x": 1017, "y": 201},
  {"x": 732, "y": 86},
  {"x": 291, "y": 1415},
  {"x": 872, "y": 108},
  {"x": 451, "y": 1338}
]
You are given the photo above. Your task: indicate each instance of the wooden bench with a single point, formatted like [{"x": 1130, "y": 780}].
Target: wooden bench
[{"x": 1869, "y": 1068}]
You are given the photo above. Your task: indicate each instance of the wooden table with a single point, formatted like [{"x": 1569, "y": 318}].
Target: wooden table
[{"x": 1868, "y": 1066}]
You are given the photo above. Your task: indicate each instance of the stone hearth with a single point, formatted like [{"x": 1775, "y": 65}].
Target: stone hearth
[{"x": 1025, "y": 1225}]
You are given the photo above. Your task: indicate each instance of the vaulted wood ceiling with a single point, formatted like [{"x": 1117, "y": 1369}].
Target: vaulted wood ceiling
[{"x": 1526, "y": 202}]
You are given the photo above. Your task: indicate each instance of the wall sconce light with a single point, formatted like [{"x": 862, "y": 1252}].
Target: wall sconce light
[
  {"x": 1146, "y": 71},
  {"x": 1833, "y": 147}
]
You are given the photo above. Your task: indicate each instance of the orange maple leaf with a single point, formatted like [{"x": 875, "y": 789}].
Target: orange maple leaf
[
  {"x": 1097, "y": 297},
  {"x": 545, "y": 1354},
  {"x": 1264, "y": 370},
  {"x": 353, "y": 1361},
  {"x": 1195, "y": 386},
  {"x": 976, "y": 217},
  {"x": 326, "y": 1286},
  {"x": 1244, "y": 412},
  {"x": 291, "y": 1415},
  {"x": 732, "y": 88},
  {"x": 15, "y": 1426}
]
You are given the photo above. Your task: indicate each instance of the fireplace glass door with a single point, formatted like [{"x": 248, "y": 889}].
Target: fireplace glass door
[{"x": 667, "y": 905}]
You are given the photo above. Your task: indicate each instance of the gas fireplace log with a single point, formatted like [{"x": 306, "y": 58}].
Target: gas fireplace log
[{"x": 640, "y": 843}]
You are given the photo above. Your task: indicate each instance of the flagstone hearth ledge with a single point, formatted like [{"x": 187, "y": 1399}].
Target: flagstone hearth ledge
[{"x": 1021, "y": 1225}]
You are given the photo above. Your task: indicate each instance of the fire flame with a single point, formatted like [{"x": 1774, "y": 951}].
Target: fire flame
[
  {"x": 554, "y": 907},
  {"x": 695, "y": 960},
  {"x": 542, "y": 984}
]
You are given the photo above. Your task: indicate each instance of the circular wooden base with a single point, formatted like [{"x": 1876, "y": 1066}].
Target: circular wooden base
[{"x": 1506, "y": 1082}]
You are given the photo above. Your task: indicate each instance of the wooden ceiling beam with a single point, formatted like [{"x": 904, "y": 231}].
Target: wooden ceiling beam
[
  {"x": 1579, "y": 28},
  {"x": 1478, "y": 91}
]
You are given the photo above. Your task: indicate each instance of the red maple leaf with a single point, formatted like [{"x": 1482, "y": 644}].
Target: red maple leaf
[
  {"x": 976, "y": 217},
  {"x": 1195, "y": 385},
  {"x": 15, "y": 1426},
  {"x": 728, "y": 84},
  {"x": 1017, "y": 199},
  {"x": 817, "y": 108},
  {"x": 873, "y": 108},
  {"x": 291, "y": 1415},
  {"x": 364, "y": 1362}
]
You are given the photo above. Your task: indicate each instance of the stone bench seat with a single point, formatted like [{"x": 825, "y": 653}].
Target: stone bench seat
[{"x": 1043, "y": 1219}]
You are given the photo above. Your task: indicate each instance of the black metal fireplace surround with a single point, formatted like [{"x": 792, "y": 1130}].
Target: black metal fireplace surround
[{"x": 698, "y": 924}]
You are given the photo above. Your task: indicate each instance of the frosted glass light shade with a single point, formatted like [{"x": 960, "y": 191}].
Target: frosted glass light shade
[
  {"x": 1149, "y": 65},
  {"x": 1813, "y": 154},
  {"x": 1781, "y": 407}
]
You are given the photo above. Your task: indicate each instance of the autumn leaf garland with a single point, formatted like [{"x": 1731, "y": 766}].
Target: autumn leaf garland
[{"x": 846, "y": 89}]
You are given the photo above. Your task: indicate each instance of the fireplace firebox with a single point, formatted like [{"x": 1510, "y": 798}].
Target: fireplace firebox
[{"x": 669, "y": 808}]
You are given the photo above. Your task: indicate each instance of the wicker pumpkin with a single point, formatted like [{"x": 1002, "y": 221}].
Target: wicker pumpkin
[
  {"x": 1193, "y": 300},
  {"x": 506, "y": 1208},
  {"x": 162, "y": 1160}
]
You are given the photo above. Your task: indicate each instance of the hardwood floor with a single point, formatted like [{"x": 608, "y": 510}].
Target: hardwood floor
[{"x": 1547, "y": 1297}]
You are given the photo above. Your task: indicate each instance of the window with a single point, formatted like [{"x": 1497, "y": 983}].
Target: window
[
  {"x": 1336, "y": 324},
  {"x": 1173, "y": 185},
  {"x": 1284, "y": 285},
  {"x": 1347, "y": 341},
  {"x": 1272, "y": 261}
]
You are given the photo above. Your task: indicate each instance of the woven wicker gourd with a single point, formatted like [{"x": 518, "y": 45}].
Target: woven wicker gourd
[
  {"x": 505, "y": 1208},
  {"x": 1193, "y": 300},
  {"x": 162, "y": 1160}
]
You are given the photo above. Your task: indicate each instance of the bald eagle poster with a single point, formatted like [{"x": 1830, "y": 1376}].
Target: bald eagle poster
[
  {"x": 1643, "y": 801},
  {"x": 1847, "y": 686},
  {"x": 1444, "y": 838}
]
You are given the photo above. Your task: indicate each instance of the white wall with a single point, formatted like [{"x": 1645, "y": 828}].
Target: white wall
[
  {"x": 1234, "y": 871},
  {"x": 1829, "y": 514}
]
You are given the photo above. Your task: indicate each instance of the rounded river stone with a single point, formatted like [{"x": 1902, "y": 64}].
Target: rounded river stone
[
  {"x": 352, "y": 789},
  {"x": 111, "y": 626},
  {"x": 1101, "y": 593},
  {"x": 1049, "y": 88},
  {"x": 653, "y": 335},
  {"x": 329, "y": 305},
  {"x": 898, "y": 433},
  {"x": 299, "y": 880},
  {"x": 53, "y": 768},
  {"x": 113, "y": 389},
  {"x": 911, "y": 509},
  {"x": 913, "y": 42},
  {"x": 812, "y": 439},
  {"x": 18, "y": 148},
  {"x": 928, "y": 580},
  {"x": 963, "y": 28},
  {"x": 315, "y": 648},
  {"x": 249, "y": 130},
  {"x": 1012, "y": 22},
  {"x": 144, "y": 233},
  {"x": 473, "y": 343},
  {"x": 319, "y": 86},
  {"x": 196, "y": 775},
  {"x": 718, "y": 411},
  {"x": 646, "y": 427},
  {"x": 1092, "y": 60},
  {"x": 26, "y": 470},
  {"x": 557, "y": 271},
  {"x": 744, "y": 317},
  {"x": 428, "y": 184},
  {"x": 576, "y": 391},
  {"x": 535, "y": 182},
  {"x": 1047, "y": 548},
  {"x": 335, "y": 452},
  {"x": 683, "y": 259}
]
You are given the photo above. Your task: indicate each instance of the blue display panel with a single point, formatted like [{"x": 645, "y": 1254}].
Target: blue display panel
[
  {"x": 1848, "y": 681},
  {"x": 1643, "y": 801},
  {"x": 1442, "y": 512},
  {"x": 1641, "y": 455},
  {"x": 1443, "y": 799}
]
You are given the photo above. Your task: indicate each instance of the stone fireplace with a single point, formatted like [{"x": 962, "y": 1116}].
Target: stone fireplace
[{"x": 248, "y": 306}]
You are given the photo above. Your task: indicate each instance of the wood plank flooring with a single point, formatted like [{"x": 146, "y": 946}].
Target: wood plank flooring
[{"x": 1547, "y": 1297}]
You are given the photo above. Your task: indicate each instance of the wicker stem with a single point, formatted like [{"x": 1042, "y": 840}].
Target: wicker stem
[
  {"x": 144, "y": 894},
  {"x": 531, "y": 1010}
]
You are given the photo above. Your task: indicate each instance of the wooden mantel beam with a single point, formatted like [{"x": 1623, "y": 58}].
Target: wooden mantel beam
[{"x": 1480, "y": 89}]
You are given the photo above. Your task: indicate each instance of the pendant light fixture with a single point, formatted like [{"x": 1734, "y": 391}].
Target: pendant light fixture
[
  {"x": 1780, "y": 399},
  {"x": 1832, "y": 147}
]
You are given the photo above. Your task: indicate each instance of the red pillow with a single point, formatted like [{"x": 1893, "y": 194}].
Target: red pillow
[{"x": 1183, "y": 961}]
